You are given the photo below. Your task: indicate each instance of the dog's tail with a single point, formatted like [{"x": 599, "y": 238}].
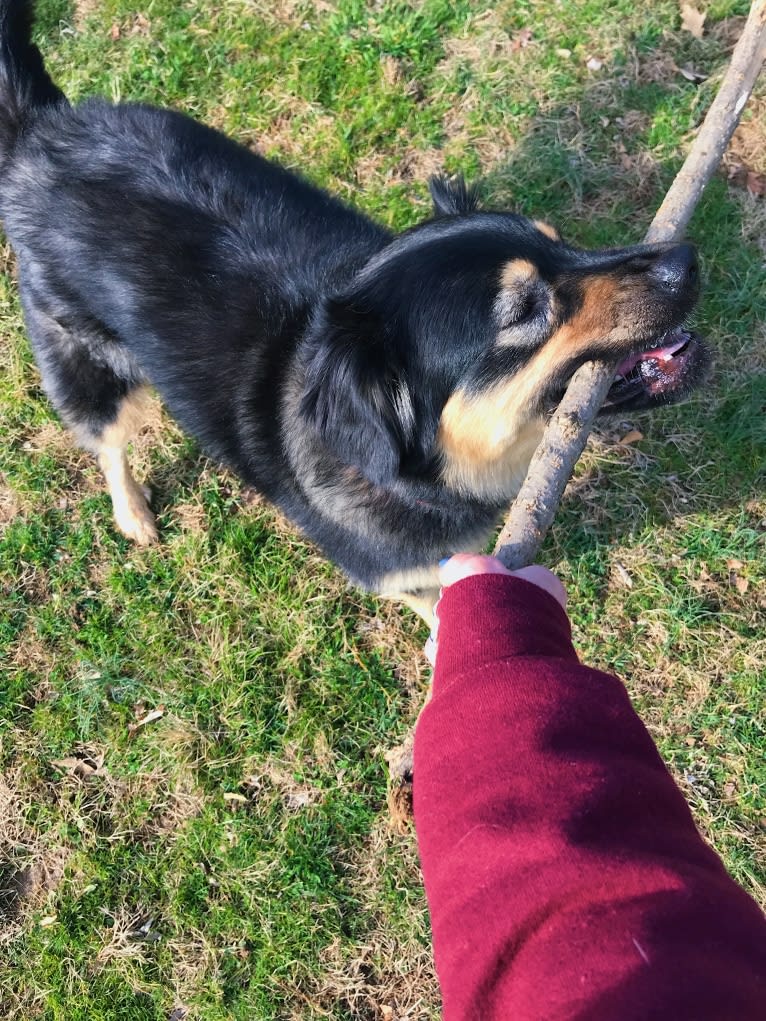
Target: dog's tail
[{"x": 25, "y": 85}]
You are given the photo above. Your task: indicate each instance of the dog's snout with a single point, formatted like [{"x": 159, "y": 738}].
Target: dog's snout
[{"x": 676, "y": 269}]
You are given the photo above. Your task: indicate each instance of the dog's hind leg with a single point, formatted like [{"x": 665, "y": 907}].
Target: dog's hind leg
[{"x": 98, "y": 391}]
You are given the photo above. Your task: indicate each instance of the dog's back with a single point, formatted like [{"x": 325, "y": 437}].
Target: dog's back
[
  {"x": 386, "y": 392},
  {"x": 154, "y": 249}
]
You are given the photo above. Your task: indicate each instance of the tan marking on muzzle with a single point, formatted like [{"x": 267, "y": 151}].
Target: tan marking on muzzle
[{"x": 488, "y": 439}]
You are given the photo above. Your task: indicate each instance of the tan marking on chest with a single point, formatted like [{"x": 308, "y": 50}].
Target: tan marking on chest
[{"x": 487, "y": 441}]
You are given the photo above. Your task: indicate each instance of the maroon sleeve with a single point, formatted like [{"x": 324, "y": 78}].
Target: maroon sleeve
[{"x": 564, "y": 873}]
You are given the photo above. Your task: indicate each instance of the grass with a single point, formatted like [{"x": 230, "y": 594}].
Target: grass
[{"x": 231, "y": 858}]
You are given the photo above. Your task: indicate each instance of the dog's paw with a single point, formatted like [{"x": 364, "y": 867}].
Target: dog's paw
[{"x": 134, "y": 519}]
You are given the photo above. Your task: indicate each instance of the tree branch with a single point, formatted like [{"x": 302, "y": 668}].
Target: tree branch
[{"x": 567, "y": 432}]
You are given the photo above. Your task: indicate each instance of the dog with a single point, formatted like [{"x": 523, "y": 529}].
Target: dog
[{"x": 385, "y": 391}]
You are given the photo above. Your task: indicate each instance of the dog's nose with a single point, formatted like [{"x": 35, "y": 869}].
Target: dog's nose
[{"x": 677, "y": 268}]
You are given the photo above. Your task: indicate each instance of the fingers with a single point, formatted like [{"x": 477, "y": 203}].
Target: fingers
[
  {"x": 463, "y": 565},
  {"x": 544, "y": 579}
]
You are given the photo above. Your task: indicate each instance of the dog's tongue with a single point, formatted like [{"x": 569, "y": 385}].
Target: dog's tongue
[{"x": 659, "y": 354}]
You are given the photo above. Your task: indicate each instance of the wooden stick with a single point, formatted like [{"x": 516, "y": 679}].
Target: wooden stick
[{"x": 567, "y": 432}]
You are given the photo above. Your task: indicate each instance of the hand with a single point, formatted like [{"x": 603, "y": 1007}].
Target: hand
[{"x": 463, "y": 565}]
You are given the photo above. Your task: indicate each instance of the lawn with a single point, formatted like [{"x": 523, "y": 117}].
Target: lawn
[{"x": 193, "y": 815}]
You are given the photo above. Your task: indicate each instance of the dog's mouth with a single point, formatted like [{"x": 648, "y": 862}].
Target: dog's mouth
[{"x": 661, "y": 374}]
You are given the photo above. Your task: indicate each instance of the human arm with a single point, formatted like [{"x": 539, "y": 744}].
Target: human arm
[{"x": 564, "y": 873}]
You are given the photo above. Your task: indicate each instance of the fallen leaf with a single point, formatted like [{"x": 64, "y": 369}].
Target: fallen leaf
[
  {"x": 741, "y": 584},
  {"x": 141, "y": 25},
  {"x": 737, "y": 174},
  {"x": 564, "y": 52},
  {"x": 521, "y": 40},
  {"x": 631, "y": 437},
  {"x": 692, "y": 20},
  {"x": 623, "y": 575},
  {"x": 151, "y": 716},
  {"x": 48, "y": 920},
  {"x": 756, "y": 184},
  {"x": 691, "y": 75},
  {"x": 734, "y": 565},
  {"x": 115, "y": 32},
  {"x": 594, "y": 64},
  {"x": 82, "y": 768}
]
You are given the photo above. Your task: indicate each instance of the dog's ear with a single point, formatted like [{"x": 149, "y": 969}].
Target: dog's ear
[
  {"x": 452, "y": 196},
  {"x": 354, "y": 397}
]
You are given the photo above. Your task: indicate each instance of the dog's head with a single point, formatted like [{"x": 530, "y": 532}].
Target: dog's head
[{"x": 455, "y": 342}]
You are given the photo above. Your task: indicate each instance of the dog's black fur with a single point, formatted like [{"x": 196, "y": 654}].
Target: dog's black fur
[{"x": 301, "y": 343}]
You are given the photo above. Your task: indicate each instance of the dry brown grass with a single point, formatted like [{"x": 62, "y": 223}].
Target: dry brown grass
[
  {"x": 748, "y": 142},
  {"x": 484, "y": 44},
  {"x": 411, "y": 165},
  {"x": 290, "y": 12},
  {"x": 396, "y": 636},
  {"x": 84, "y": 9},
  {"x": 10, "y": 505},
  {"x": 390, "y": 976},
  {"x": 32, "y": 863}
]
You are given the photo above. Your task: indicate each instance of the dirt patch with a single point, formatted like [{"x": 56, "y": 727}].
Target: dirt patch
[
  {"x": 10, "y": 505},
  {"x": 30, "y": 869},
  {"x": 397, "y": 637},
  {"x": 389, "y": 975},
  {"x": 26, "y": 888},
  {"x": 485, "y": 43},
  {"x": 84, "y": 9}
]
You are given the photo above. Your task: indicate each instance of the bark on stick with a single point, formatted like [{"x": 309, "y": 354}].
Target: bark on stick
[{"x": 567, "y": 433}]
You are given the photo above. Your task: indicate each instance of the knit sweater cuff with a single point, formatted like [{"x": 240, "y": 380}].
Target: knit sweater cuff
[{"x": 491, "y": 617}]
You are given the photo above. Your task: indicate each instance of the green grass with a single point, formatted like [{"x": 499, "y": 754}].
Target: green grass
[{"x": 232, "y": 857}]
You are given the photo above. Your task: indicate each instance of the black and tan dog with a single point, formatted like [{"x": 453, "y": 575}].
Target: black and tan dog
[{"x": 385, "y": 391}]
